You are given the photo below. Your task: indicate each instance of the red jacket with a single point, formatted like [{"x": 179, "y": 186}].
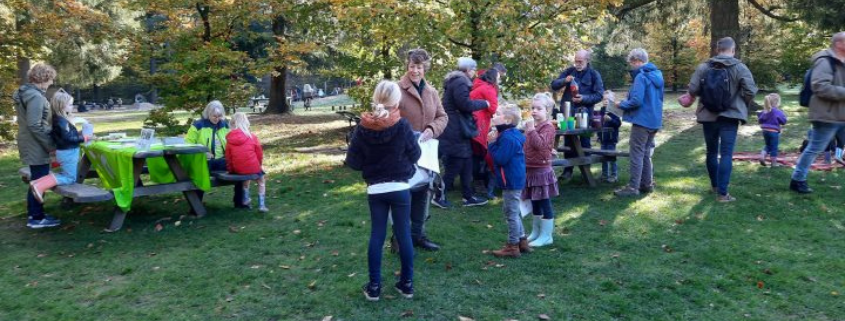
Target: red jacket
[
  {"x": 538, "y": 148},
  {"x": 243, "y": 154},
  {"x": 486, "y": 91}
]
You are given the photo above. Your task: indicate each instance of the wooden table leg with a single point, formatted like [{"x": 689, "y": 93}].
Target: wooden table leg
[
  {"x": 585, "y": 169},
  {"x": 181, "y": 176},
  {"x": 117, "y": 220}
]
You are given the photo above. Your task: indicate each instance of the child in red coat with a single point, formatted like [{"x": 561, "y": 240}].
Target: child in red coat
[{"x": 245, "y": 156}]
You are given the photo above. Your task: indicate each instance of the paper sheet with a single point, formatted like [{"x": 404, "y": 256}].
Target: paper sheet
[
  {"x": 428, "y": 159},
  {"x": 525, "y": 207}
]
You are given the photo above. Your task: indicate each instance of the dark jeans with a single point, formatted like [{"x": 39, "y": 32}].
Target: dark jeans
[
  {"x": 720, "y": 137},
  {"x": 609, "y": 168},
  {"x": 219, "y": 165},
  {"x": 34, "y": 209},
  {"x": 459, "y": 166},
  {"x": 398, "y": 206},
  {"x": 420, "y": 203},
  {"x": 772, "y": 140},
  {"x": 544, "y": 208}
]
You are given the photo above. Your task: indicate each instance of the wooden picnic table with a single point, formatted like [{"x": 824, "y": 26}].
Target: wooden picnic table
[
  {"x": 582, "y": 160},
  {"x": 182, "y": 181}
]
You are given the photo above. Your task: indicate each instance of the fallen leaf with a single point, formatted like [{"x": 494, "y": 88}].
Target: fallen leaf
[
  {"x": 602, "y": 222},
  {"x": 834, "y": 293},
  {"x": 760, "y": 218},
  {"x": 312, "y": 285},
  {"x": 478, "y": 281},
  {"x": 407, "y": 313},
  {"x": 489, "y": 226},
  {"x": 679, "y": 221},
  {"x": 448, "y": 266},
  {"x": 335, "y": 253},
  {"x": 463, "y": 318},
  {"x": 297, "y": 232},
  {"x": 760, "y": 284},
  {"x": 767, "y": 271},
  {"x": 164, "y": 219},
  {"x": 544, "y": 317},
  {"x": 328, "y": 181},
  {"x": 233, "y": 229},
  {"x": 177, "y": 223},
  {"x": 255, "y": 267},
  {"x": 266, "y": 286},
  {"x": 327, "y": 318},
  {"x": 159, "y": 227},
  {"x": 286, "y": 267},
  {"x": 229, "y": 298},
  {"x": 541, "y": 296},
  {"x": 351, "y": 275},
  {"x": 666, "y": 248}
]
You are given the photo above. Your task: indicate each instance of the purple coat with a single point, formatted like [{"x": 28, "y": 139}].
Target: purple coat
[{"x": 772, "y": 120}]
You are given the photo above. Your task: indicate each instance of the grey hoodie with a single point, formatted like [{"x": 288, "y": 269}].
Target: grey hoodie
[
  {"x": 742, "y": 85},
  {"x": 828, "y": 101},
  {"x": 34, "y": 125}
]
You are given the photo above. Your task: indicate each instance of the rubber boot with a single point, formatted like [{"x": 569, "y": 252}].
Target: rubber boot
[
  {"x": 261, "y": 207},
  {"x": 763, "y": 157},
  {"x": 535, "y": 228},
  {"x": 246, "y": 200},
  {"x": 547, "y": 227},
  {"x": 41, "y": 185},
  {"x": 775, "y": 161}
]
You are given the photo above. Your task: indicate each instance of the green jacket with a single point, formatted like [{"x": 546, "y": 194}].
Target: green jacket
[
  {"x": 827, "y": 104},
  {"x": 35, "y": 121},
  {"x": 210, "y": 135}
]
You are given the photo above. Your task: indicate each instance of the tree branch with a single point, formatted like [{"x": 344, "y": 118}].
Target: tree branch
[
  {"x": 769, "y": 12},
  {"x": 629, "y": 6}
]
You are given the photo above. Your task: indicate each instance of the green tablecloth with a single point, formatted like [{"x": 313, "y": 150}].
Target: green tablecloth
[{"x": 114, "y": 164}]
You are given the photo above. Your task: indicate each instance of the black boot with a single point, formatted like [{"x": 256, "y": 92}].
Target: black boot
[
  {"x": 800, "y": 187},
  {"x": 426, "y": 244}
]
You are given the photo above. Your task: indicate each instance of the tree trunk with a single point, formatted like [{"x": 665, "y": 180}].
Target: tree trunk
[
  {"x": 97, "y": 93},
  {"x": 278, "y": 103},
  {"x": 385, "y": 59},
  {"x": 23, "y": 62},
  {"x": 724, "y": 22},
  {"x": 675, "y": 49},
  {"x": 475, "y": 34},
  {"x": 203, "y": 10}
]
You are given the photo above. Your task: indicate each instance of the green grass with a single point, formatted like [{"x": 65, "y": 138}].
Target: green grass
[{"x": 673, "y": 255}]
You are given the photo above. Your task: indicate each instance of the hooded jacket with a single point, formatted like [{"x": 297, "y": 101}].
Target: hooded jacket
[
  {"x": 484, "y": 91},
  {"x": 610, "y": 134},
  {"x": 741, "y": 83},
  {"x": 828, "y": 101},
  {"x": 34, "y": 125},
  {"x": 644, "y": 105},
  {"x": 539, "y": 145},
  {"x": 64, "y": 134},
  {"x": 243, "y": 153},
  {"x": 590, "y": 87},
  {"x": 383, "y": 154},
  {"x": 424, "y": 110},
  {"x": 509, "y": 159},
  {"x": 456, "y": 101},
  {"x": 212, "y": 136},
  {"x": 772, "y": 120}
]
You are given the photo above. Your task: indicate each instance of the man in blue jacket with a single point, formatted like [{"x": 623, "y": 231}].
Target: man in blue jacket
[
  {"x": 589, "y": 93},
  {"x": 644, "y": 109}
]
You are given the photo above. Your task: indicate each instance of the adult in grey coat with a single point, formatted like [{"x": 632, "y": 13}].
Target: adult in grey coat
[
  {"x": 35, "y": 122},
  {"x": 827, "y": 107},
  {"x": 720, "y": 129}
]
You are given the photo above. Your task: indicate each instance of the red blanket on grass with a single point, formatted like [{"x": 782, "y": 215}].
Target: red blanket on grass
[{"x": 789, "y": 159}]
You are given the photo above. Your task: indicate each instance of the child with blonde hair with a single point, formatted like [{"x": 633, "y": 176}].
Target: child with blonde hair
[
  {"x": 67, "y": 139},
  {"x": 506, "y": 149},
  {"x": 245, "y": 156},
  {"x": 384, "y": 148},
  {"x": 771, "y": 121},
  {"x": 540, "y": 181}
]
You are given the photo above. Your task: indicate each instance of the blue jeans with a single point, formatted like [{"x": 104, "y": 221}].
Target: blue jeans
[
  {"x": 720, "y": 137},
  {"x": 69, "y": 160},
  {"x": 609, "y": 168},
  {"x": 398, "y": 204},
  {"x": 823, "y": 133},
  {"x": 772, "y": 140},
  {"x": 34, "y": 208},
  {"x": 544, "y": 208}
]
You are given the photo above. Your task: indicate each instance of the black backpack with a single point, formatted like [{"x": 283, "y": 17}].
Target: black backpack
[
  {"x": 807, "y": 88},
  {"x": 715, "y": 91}
]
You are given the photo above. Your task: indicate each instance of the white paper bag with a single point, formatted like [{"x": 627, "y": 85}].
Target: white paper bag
[{"x": 525, "y": 207}]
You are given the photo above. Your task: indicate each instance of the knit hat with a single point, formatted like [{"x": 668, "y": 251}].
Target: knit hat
[{"x": 466, "y": 63}]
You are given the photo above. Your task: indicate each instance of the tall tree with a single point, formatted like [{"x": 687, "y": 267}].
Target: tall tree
[{"x": 825, "y": 14}]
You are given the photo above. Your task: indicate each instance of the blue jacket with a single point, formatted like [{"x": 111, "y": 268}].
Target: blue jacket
[
  {"x": 610, "y": 135},
  {"x": 590, "y": 87},
  {"x": 384, "y": 155},
  {"x": 644, "y": 105},
  {"x": 509, "y": 159},
  {"x": 64, "y": 134}
]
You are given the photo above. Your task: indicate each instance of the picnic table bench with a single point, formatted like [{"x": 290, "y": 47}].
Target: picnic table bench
[{"x": 584, "y": 156}]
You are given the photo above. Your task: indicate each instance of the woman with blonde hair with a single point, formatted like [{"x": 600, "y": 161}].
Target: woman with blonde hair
[
  {"x": 245, "y": 156},
  {"x": 34, "y": 141},
  {"x": 385, "y": 149}
]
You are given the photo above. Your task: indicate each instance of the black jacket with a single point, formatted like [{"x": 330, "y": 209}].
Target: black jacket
[
  {"x": 456, "y": 100},
  {"x": 64, "y": 134},
  {"x": 610, "y": 135},
  {"x": 386, "y": 155}
]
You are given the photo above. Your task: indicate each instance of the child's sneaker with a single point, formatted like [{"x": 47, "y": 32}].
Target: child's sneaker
[
  {"x": 263, "y": 209},
  {"x": 474, "y": 201},
  {"x": 612, "y": 179},
  {"x": 47, "y": 221},
  {"x": 406, "y": 289},
  {"x": 372, "y": 291},
  {"x": 440, "y": 202}
]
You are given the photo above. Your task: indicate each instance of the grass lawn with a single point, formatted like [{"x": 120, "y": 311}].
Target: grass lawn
[{"x": 675, "y": 254}]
